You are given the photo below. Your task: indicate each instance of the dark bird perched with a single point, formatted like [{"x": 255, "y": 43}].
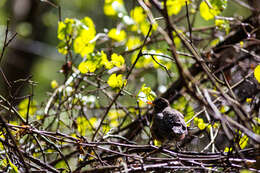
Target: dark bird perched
[{"x": 167, "y": 124}]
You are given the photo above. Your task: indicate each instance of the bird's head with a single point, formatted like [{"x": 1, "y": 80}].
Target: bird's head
[{"x": 160, "y": 103}]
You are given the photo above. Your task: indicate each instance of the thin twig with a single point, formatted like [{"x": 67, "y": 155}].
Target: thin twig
[{"x": 188, "y": 20}]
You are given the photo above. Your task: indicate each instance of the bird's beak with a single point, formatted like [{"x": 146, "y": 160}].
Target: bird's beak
[{"x": 150, "y": 103}]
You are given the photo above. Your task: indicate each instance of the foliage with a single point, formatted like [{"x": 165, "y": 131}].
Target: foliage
[{"x": 210, "y": 9}]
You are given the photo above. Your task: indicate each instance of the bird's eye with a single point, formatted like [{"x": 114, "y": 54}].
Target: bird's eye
[{"x": 183, "y": 128}]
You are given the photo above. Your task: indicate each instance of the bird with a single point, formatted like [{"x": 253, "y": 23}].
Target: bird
[{"x": 167, "y": 123}]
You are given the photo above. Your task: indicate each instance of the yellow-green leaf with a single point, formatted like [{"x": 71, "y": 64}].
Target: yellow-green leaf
[
  {"x": 117, "y": 60},
  {"x": 257, "y": 73},
  {"x": 65, "y": 29},
  {"x": 201, "y": 126},
  {"x": 115, "y": 81},
  {"x": 88, "y": 66},
  {"x": 93, "y": 62},
  {"x": 115, "y": 114},
  {"x": 114, "y": 123},
  {"x": 212, "y": 8},
  {"x": 227, "y": 149},
  {"x": 138, "y": 14},
  {"x": 174, "y": 6},
  {"x": 133, "y": 42},
  {"x": 205, "y": 11},
  {"x": 117, "y": 35},
  {"x": 54, "y": 84},
  {"x": 83, "y": 43},
  {"x": 82, "y": 125},
  {"x": 113, "y": 7},
  {"x": 157, "y": 143},
  {"x": 23, "y": 107},
  {"x": 243, "y": 141},
  {"x": 146, "y": 94}
]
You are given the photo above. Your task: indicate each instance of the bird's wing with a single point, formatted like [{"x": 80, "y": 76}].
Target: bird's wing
[
  {"x": 168, "y": 112},
  {"x": 174, "y": 119}
]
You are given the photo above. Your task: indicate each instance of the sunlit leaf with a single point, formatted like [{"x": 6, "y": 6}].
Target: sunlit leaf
[
  {"x": 201, "y": 125},
  {"x": 143, "y": 61},
  {"x": 205, "y": 11},
  {"x": 23, "y": 107},
  {"x": 223, "y": 24},
  {"x": 82, "y": 125},
  {"x": 115, "y": 114},
  {"x": 243, "y": 141},
  {"x": 83, "y": 43},
  {"x": 83, "y": 67},
  {"x": 209, "y": 127},
  {"x": 61, "y": 164},
  {"x": 104, "y": 61},
  {"x": 114, "y": 7},
  {"x": 146, "y": 94},
  {"x": 65, "y": 29},
  {"x": 133, "y": 42},
  {"x": 115, "y": 81},
  {"x": 157, "y": 143},
  {"x": 117, "y": 60},
  {"x": 227, "y": 149},
  {"x": 241, "y": 43},
  {"x": 117, "y": 35},
  {"x": 214, "y": 42},
  {"x": 257, "y": 73},
  {"x": 144, "y": 27},
  {"x": 215, "y": 7},
  {"x": 54, "y": 84},
  {"x": 114, "y": 123},
  {"x": 138, "y": 14},
  {"x": 174, "y": 6}
]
